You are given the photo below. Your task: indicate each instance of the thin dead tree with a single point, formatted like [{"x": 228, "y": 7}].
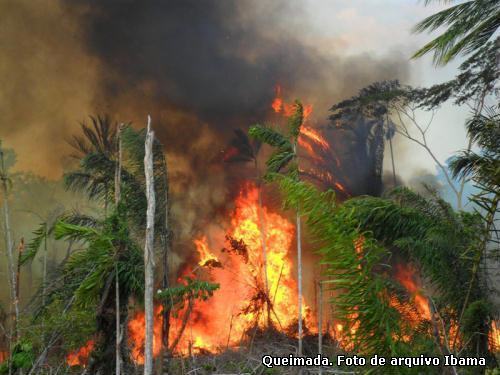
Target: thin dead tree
[
  {"x": 9, "y": 245},
  {"x": 148, "y": 250},
  {"x": 320, "y": 321},
  {"x": 20, "y": 250},
  {"x": 166, "y": 244},
  {"x": 118, "y": 174}
]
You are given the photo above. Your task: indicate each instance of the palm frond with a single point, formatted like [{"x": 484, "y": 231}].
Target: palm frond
[
  {"x": 295, "y": 120},
  {"x": 34, "y": 245},
  {"x": 470, "y": 25},
  {"x": 270, "y": 136}
]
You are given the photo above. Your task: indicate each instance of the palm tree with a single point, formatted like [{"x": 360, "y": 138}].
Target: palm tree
[
  {"x": 285, "y": 157},
  {"x": 366, "y": 116},
  {"x": 95, "y": 150},
  {"x": 470, "y": 24},
  {"x": 484, "y": 170},
  {"x": 406, "y": 226},
  {"x": 88, "y": 278}
]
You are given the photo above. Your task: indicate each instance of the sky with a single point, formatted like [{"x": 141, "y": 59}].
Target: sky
[{"x": 381, "y": 27}]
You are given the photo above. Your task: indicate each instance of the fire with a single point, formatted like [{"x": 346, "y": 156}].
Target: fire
[
  {"x": 494, "y": 337},
  {"x": 206, "y": 257},
  {"x": 314, "y": 136},
  {"x": 406, "y": 276},
  {"x": 136, "y": 334},
  {"x": 240, "y": 302},
  {"x": 310, "y": 140},
  {"x": 80, "y": 357}
]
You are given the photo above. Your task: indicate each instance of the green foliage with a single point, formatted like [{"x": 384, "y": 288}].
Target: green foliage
[
  {"x": 476, "y": 319},
  {"x": 40, "y": 235},
  {"x": 284, "y": 144},
  {"x": 193, "y": 289},
  {"x": 295, "y": 121},
  {"x": 372, "y": 101},
  {"x": 476, "y": 79},
  {"x": 362, "y": 288},
  {"x": 426, "y": 231},
  {"x": 85, "y": 272},
  {"x": 484, "y": 168},
  {"x": 22, "y": 358},
  {"x": 470, "y": 24}
]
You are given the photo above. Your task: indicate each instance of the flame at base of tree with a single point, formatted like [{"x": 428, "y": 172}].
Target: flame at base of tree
[{"x": 80, "y": 357}]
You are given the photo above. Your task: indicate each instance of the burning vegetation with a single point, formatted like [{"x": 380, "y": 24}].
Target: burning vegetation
[{"x": 196, "y": 255}]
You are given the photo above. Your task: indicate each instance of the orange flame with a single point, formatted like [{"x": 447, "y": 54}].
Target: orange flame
[
  {"x": 314, "y": 136},
  {"x": 80, "y": 357},
  {"x": 136, "y": 333},
  {"x": 239, "y": 303},
  {"x": 494, "y": 337},
  {"x": 406, "y": 276},
  {"x": 206, "y": 257}
]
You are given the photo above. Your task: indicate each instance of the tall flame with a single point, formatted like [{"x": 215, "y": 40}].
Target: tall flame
[
  {"x": 240, "y": 302},
  {"x": 494, "y": 337}
]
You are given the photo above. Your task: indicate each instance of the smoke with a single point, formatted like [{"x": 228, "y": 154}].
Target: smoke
[
  {"x": 200, "y": 68},
  {"x": 48, "y": 81}
]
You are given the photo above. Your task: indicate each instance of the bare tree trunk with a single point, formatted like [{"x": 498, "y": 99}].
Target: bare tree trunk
[
  {"x": 148, "y": 251},
  {"x": 118, "y": 176},
  {"x": 20, "y": 250},
  {"x": 299, "y": 278},
  {"x": 166, "y": 238},
  {"x": 393, "y": 165},
  {"x": 320, "y": 321},
  {"x": 299, "y": 265},
  {"x": 262, "y": 230},
  {"x": 9, "y": 246}
]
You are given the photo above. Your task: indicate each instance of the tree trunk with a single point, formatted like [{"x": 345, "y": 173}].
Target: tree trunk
[
  {"x": 148, "y": 251},
  {"x": 9, "y": 245},
  {"x": 166, "y": 239},
  {"x": 299, "y": 262},
  {"x": 105, "y": 349},
  {"x": 393, "y": 166},
  {"x": 299, "y": 278},
  {"x": 20, "y": 250},
  {"x": 118, "y": 333},
  {"x": 488, "y": 225},
  {"x": 262, "y": 230},
  {"x": 320, "y": 321},
  {"x": 378, "y": 156}
]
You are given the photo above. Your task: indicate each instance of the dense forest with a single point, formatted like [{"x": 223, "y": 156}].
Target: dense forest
[{"x": 318, "y": 246}]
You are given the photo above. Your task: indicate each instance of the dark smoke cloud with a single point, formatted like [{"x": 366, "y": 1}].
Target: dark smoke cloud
[
  {"x": 200, "y": 67},
  {"x": 201, "y": 55},
  {"x": 217, "y": 59}
]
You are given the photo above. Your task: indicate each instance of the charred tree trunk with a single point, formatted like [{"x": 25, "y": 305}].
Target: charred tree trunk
[
  {"x": 148, "y": 251},
  {"x": 106, "y": 342}
]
